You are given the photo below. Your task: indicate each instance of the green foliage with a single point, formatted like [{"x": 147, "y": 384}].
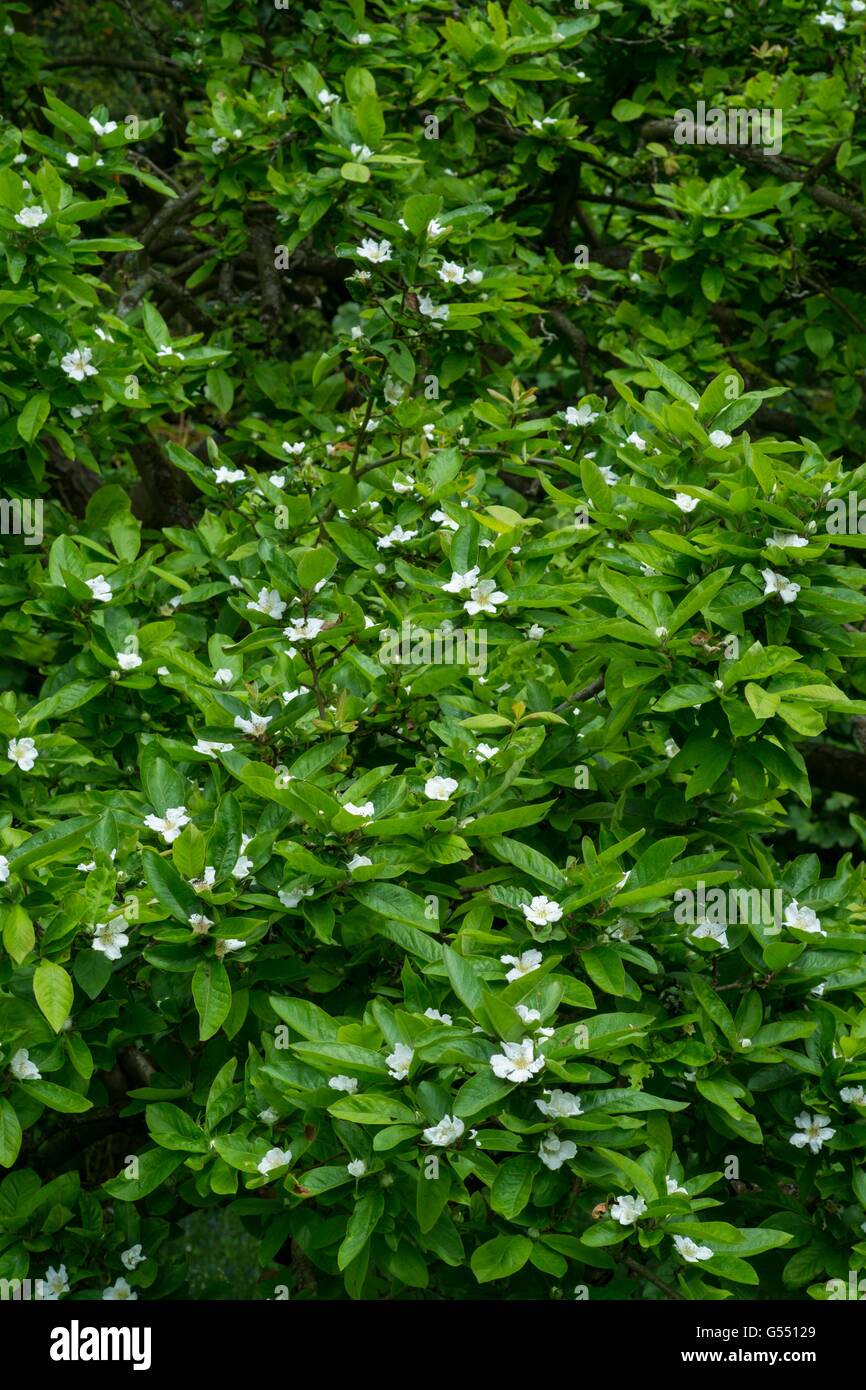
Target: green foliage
[{"x": 432, "y": 632}]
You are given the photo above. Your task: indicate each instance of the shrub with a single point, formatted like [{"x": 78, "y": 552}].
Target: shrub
[{"x": 423, "y": 634}]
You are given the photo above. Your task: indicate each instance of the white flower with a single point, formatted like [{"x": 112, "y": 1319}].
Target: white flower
[
  {"x": 685, "y": 502},
  {"x": 434, "y": 227},
  {"x": 399, "y": 486},
  {"x": 274, "y": 1158},
  {"x": 787, "y": 540},
  {"x": 277, "y": 480},
  {"x": 719, "y": 439},
  {"x": 269, "y": 603},
  {"x": 715, "y": 931},
  {"x": 243, "y": 863},
  {"x": 358, "y": 861},
  {"x": 431, "y": 310},
  {"x": 560, "y": 1106},
  {"x": 367, "y": 810},
  {"x": 524, "y": 964},
  {"x": 268, "y": 1116},
  {"x": 4, "y": 868},
  {"x": 362, "y": 39},
  {"x": 690, "y": 1251},
  {"x": 207, "y": 880},
  {"x": 256, "y": 726},
  {"x": 303, "y": 629},
  {"x": 233, "y": 943},
  {"x": 399, "y": 1061},
  {"x": 54, "y": 1283},
  {"x": 484, "y": 597},
  {"x": 344, "y": 1083},
  {"x": 76, "y": 364},
  {"x": 580, "y": 416},
  {"x": 171, "y": 824},
  {"x": 395, "y": 536},
  {"x": 376, "y": 252},
  {"x": 31, "y": 217},
  {"x": 777, "y": 584},
  {"x": 110, "y": 937},
  {"x": 637, "y": 440},
  {"x": 128, "y": 661},
  {"x": 627, "y": 1209},
  {"x": 541, "y": 910},
  {"x": 834, "y": 21},
  {"x": 220, "y": 145},
  {"x": 674, "y": 1188},
  {"x": 22, "y": 1068},
  {"x": 458, "y": 582},
  {"x": 517, "y": 1061},
  {"x": 107, "y": 129},
  {"x": 435, "y": 1015},
  {"x": 287, "y": 696},
  {"x": 211, "y": 748},
  {"x": 292, "y": 899},
  {"x": 485, "y": 751},
  {"x": 119, "y": 1291},
  {"x": 295, "y": 449},
  {"x": 100, "y": 588},
  {"x": 854, "y": 1095},
  {"x": 440, "y": 788},
  {"x": 361, "y": 152},
  {"x": 671, "y": 748},
  {"x": 393, "y": 391},
  {"x": 228, "y": 475},
  {"x": 357, "y": 1168},
  {"x": 608, "y": 475},
  {"x": 475, "y": 277},
  {"x": 326, "y": 98},
  {"x": 223, "y": 676},
  {"x": 166, "y": 350},
  {"x": 554, "y": 1152},
  {"x": 448, "y": 1129},
  {"x": 450, "y": 273},
  {"x": 813, "y": 1130},
  {"x": 200, "y": 924},
  {"x": 802, "y": 918},
  {"x": 132, "y": 1257},
  {"x": 23, "y": 752}
]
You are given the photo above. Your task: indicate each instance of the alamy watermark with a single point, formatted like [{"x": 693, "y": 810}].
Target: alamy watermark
[
  {"x": 441, "y": 646},
  {"x": 22, "y": 517},
  {"x": 738, "y": 125},
  {"x": 725, "y": 907}
]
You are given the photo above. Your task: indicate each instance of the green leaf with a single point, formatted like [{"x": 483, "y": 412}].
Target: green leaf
[
  {"x": 372, "y": 1109},
  {"x": 33, "y": 416},
  {"x": 155, "y": 1167},
  {"x": 57, "y": 1097},
  {"x": 362, "y": 1223},
  {"x": 10, "y": 1133},
  {"x": 512, "y": 1186},
  {"x": 19, "y": 938},
  {"x": 170, "y": 890},
  {"x": 431, "y": 1194},
  {"x": 172, "y": 1128},
  {"x": 500, "y": 1258},
  {"x": 212, "y": 994},
  {"x": 54, "y": 993}
]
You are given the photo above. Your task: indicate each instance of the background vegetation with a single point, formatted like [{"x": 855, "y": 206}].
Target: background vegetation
[{"x": 307, "y": 311}]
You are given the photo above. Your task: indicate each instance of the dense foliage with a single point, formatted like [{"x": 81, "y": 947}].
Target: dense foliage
[{"x": 445, "y": 588}]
